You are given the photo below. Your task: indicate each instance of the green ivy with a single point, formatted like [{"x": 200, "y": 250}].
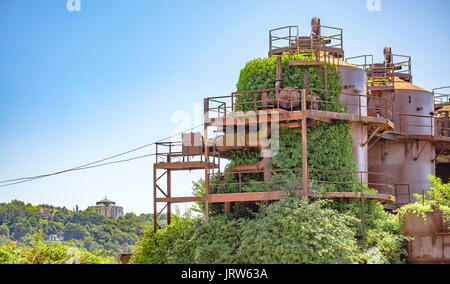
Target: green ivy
[
  {"x": 291, "y": 231},
  {"x": 260, "y": 74}
]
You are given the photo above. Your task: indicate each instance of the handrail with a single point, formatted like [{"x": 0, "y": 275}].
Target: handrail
[
  {"x": 441, "y": 98},
  {"x": 322, "y": 177},
  {"x": 292, "y": 42},
  {"x": 368, "y": 61},
  {"x": 287, "y": 38},
  {"x": 383, "y": 74},
  {"x": 172, "y": 152},
  {"x": 439, "y": 126},
  {"x": 317, "y": 99}
]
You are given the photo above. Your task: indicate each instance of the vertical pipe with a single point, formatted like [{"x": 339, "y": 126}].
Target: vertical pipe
[
  {"x": 169, "y": 188},
  {"x": 227, "y": 207},
  {"x": 362, "y": 214},
  {"x": 240, "y": 183},
  {"x": 155, "y": 211},
  {"x": 279, "y": 81},
  {"x": 205, "y": 142},
  {"x": 304, "y": 136}
]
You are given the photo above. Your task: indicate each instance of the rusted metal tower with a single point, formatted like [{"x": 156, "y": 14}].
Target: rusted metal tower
[
  {"x": 409, "y": 151},
  {"x": 288, "y": 108}
]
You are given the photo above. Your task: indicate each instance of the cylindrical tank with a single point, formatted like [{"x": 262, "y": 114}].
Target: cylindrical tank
[
  {"x": 353, "y": 80},
  {"x": 409, "y": 162},
  {"x": 354, "y": 94},
  {"x": 412, "y": 108},
  {"x": 406, "y": 154}
]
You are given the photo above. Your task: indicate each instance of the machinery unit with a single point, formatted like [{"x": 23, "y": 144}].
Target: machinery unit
[{"x": 409, "y": 151}]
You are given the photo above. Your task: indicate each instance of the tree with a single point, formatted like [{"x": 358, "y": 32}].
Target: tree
[
  {"x": 439, "y": 191},
  {"x": 74, "y": 232},
  {"x": 21, "y": 229},
  {"x": 4, "y": 230}
]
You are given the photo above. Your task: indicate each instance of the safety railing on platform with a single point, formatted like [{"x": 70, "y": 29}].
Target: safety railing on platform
[
  {"x": 252, "y": 180},
  {"x": 283, "y": 38},
  {"x": 288, "y": 39},
  {"x": 442, "y": 96},
  {"x": 171, "y": 152},
  {"x": 330, "y": 39},
  {"x": 402, "y": 66},
  {"x": 363, "y": 62},
  {"x": 442, "y": 122},
  {"x": 426, "y": 125},
  {"x": 383, "y": 74},
  {"x": 289, "y": 99}
]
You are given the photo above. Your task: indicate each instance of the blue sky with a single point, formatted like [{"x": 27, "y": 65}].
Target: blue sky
[{"x": 79, "y": 86}]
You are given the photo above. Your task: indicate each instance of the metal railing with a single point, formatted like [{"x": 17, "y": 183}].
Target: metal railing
[
  {"x": 383, "y": 74},
  {"x": 428, "y": 125},
  {"x": 363, "y": 62},
  {"x": 171, "y": 152},
  {"x": 272, "y": 99},
  {"x": 242, "y": 179},
  {"x": 288, "y": 39},
  {"x": 440, "y": 97},
  {"x": 402, "y": 65},
  {"x": 330, "y": 37},
  {"x": 329, "y": 40}
]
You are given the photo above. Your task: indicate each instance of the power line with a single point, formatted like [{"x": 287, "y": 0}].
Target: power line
[
  {"x": 78, "y": 169},
  {"x": 93, "y": 164}
]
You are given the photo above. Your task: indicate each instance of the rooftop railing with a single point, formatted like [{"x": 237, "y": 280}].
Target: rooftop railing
[
  {"x": 288, "y": 39},
  {"x": 441, "y": 96}
]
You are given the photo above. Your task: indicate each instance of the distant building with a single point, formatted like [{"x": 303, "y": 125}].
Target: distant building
[
  {"x": 49, "y": 212},
  {"x": 108, "y": 209},
  {"x": 56, "y": 238}
]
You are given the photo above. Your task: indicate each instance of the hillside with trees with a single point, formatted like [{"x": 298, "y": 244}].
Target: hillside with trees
[{"x": 19, "y": 222}]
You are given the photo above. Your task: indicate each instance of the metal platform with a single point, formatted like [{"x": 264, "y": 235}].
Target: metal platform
[
  {"x": 277, "y": 195},
  {"x": 189, "y": 166}
]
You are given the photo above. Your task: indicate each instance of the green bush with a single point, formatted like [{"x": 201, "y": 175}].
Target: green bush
[
  {"x": 437, "y": 199},
  {"x": 439, "y": 192},
  {"x": 260, "y": 74},
  {"x": 289, "y": 231},
  {"x": 55, "y": 253},
  {"x": 296, "y": 231}
]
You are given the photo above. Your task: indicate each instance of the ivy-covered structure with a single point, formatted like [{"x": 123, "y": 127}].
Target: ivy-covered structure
[{"x": 299, "y": 124}]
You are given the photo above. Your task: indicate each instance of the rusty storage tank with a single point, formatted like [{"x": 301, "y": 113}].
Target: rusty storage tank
[
  {"x": 407, "y": 153},
  {"x": 354, "y": 99}
]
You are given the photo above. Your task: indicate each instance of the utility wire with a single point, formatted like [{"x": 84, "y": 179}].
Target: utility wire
[
  {"x": 93, "y": 164},
  {"x": 79, "y": 169}
]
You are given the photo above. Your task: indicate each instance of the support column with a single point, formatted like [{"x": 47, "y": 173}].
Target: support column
[
  {"x": 228, "y": 206},
  {"x": 279, "y": 81},
  {"x": 205, "y": 145},
  {"x": 155, "y": 210},
  {"x": 169, "y": 195},
  {"x": 304, "y": 136}
]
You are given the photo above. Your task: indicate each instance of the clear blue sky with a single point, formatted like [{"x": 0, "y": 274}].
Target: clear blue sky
[{"x": 78, "y": 86}]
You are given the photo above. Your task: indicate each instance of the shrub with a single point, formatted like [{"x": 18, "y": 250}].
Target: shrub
[
  {"x": 292, "y": 230},
  {"x": 55, "y": 253}
]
